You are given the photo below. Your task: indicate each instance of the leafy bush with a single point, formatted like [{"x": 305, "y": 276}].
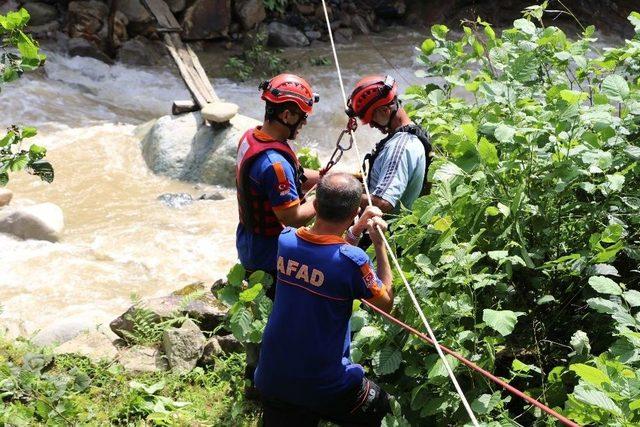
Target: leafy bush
[
  {"x": 276, "y": 5},
  {"x": 309, "y": 158},
  {"x": 256, "y": 60},
  {"x": 530, "y": 236},
  {"x": 19, "y": 55},
  {"x": 536, "y": 197}
]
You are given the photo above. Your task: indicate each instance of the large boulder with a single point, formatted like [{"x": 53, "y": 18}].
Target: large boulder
[
  {"x": 94, "y": 345},
  {"x": 141, "y": 51},
  {"x": 59, "y": 332},
  {"x": 206, "y": 19},
  {"x": 229, "y": 344},
  {"x": 140, "y": 359},
  {"x": 43, "y": 221},
  {"x": 85, "y": 18},
  {"x": 176, "y": 5},
  {"x": 134, "y": 11},
  {"x": 250, "y": 12},
  {"x": 183, "y": 346},
  {"x": 282, "y": 35},
  {"x": 212, "y": 349},
  {"x": 203, "y": 307},
  {"x": 5, "y": 196},
  {"x": 41, "y": 13},
  {"x": 183, "y": 147},
  {"x": 81, "y": 47}
]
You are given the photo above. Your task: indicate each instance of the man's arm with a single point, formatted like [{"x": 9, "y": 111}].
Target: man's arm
[
  {"x": 384, "y": 301},
  {"x": 297, "y": 215},
  {"x": 378, "y": 202},
  {"x": 313, "y": 177}
]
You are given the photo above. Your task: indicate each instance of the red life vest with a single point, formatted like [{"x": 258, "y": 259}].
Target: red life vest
[{"x": 255, "y": 210}]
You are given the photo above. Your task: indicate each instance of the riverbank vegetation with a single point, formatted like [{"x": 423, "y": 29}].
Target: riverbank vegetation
[{"x": 20, "y": 54}]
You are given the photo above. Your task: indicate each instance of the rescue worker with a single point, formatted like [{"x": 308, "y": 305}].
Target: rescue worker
[
  {"x": 270, "y": 183},
  {"x": 304, "y": 373},
  {"x": 269, "y": 179},
  {"x": 397, "y": 166}
]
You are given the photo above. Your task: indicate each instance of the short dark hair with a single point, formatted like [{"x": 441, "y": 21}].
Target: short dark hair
[
  {"x": 272, "y": 109},
  {"x": 338, "y": 196}
]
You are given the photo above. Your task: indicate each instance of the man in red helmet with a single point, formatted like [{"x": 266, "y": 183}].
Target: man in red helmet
[{"x": 398, "y": 164}]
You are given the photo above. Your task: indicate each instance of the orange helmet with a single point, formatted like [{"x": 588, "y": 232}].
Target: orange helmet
[
  {"x": 289, "y": 88},
  {"x": 370, "y": 93}
]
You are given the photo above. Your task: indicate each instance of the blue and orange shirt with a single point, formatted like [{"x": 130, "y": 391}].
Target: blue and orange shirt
[
  {"x": 272, "y": 175},
  {"x": 304, "y": 358}
]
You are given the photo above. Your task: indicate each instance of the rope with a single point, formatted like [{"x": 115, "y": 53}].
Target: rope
[
  {"x": 475, "y": 367},
  {"x": 388, "y": 247}
]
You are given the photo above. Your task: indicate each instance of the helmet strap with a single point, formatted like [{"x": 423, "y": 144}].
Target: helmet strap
[{"x": 292, "y": 127}]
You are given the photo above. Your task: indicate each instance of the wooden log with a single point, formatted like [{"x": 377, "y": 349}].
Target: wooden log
[{"x": 183, "y": 106}]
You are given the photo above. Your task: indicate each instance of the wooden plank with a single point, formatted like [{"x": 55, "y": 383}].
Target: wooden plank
[
  {"x": 200, "y": 99},
  {"x": 202, "y": 73},
  {"x": 188, "y": 64},
  {"x": 162, "y": 13}
]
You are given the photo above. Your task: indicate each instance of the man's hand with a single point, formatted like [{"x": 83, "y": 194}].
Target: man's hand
[
  {"x": 376, "y": 227},
  {"x": 369, "y": 213}
]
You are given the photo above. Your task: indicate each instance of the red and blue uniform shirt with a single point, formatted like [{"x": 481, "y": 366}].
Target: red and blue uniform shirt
[
  {"x": 270, "y": 174},
  {"x": 304, "y": 359}
]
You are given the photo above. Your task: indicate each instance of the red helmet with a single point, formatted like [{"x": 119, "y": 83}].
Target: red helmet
[
  {"x": 289, "y": 88},
  {"x": 370, "y": 93}
]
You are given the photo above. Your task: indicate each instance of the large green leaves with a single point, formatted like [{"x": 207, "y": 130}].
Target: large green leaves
[
  {"x": 387, "y": 360},
  {"x": 503, "y": 321},
  {"x": 615, "y": 87},
  {"x": 604, "y": 285}
]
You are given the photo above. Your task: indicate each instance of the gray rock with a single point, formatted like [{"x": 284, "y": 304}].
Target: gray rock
[
  {"x": 141, "y": 51},
  {"x": 229, "y": 344},
  {"x": 211, "y": 350},
  {"x": 41, "y": 13},
  {"x": 175, "y": 200},
  {"x": 5, "y": 196},
  {"x": 85, "y": 18},
  {"x": 182, "y": 147},
  {"x": 81, "y": 47},
  {"x": 250, "y": 12},
  {"x": 8, "y": 6},
  {"x": 282, "y": 35},
  {"x": 134, "y": 11},
  {"x": 207, "y": 310},
  {"x": 359, "y": 25},
  {"x": 343, "y": 35},
  {"x": 45, "y": 30},
  {"x": 313, "y": 35},
  {"x": 176, "y": 5},
  {"x": 140, "y": 359},
  {"x": 390, "y": 9},
  {"x": 211, "y": 196},
  {"x": 183, "y": 346},
  {"x": 43, "y": 221},
  {"x": 94, "y": 345},
  {"x": 219, "y": 112},
  {"x": 206, "y": 19},
  {"x": 11, "y": 329},
  {"x": 59, "y": 333}
]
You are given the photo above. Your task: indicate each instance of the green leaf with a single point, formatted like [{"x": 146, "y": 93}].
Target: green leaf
[
  {"x": 580, "y": 343},
  {"x": 525, "y": 26},
  {"x": 612, "y": 233},
  {"x": 573, "y": 97},
  {"x": 504, "y": 133},
  {"x": 439, "y": 32},
  {"x": 615, "y": 87},
  {"x": 447, "y": 172},
  {"x": 489, "y": 32},
  {"x": 634, "y": 18},
  {"x": 42, "y": 169},
  {"x": 602, "y": 305},
  {"x": 502, "y": 321},
  {"x": 488, "y": 152},
  {"x": 596, "y": 398},
  {"x": 428, "y": 46},
  {"x": 604, "y": 285},
  {"x": 250, "y": 294},
  {"x": 236, "y": 275},
  {"x": 546, "y": 299},
  {"x": 591, "y": 375},
  {"x": 632, "y": 297},
  {"x": 240, "y": 323},
  {"x": 485, "y": 403},
  {"x": 29, "y": 132},
  {"x": 438, "y": 370},
  {"x": 387, "y": 361}
]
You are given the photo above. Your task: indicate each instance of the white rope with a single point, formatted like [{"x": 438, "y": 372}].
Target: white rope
[{"x": 445, "y": 362}]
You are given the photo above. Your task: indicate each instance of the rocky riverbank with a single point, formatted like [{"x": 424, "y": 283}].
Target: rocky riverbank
[{"x": 125, "y": 31}]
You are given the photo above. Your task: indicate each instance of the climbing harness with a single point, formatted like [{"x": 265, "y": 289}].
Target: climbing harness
[{"x": 431, "y": 336}]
